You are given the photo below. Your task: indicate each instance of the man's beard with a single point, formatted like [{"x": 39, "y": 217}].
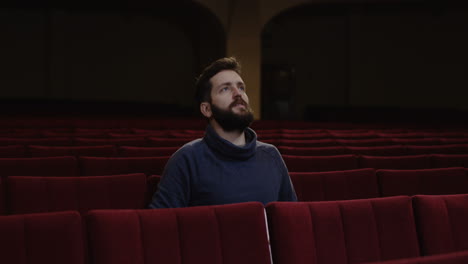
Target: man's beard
[{"x": 231, "y": 121}]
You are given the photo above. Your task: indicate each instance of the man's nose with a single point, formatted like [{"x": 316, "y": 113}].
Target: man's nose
[{"x": 236, "y": 92}]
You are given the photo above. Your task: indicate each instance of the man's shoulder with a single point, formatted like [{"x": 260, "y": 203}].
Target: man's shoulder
[
  {"x": 189, "y": 149},
  {"x": 267, "y": 148}
]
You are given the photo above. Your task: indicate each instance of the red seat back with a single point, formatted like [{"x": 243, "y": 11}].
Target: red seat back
[
  {"x": 318, "y": 163},
  {"x": 46, "y": 194},
  {"x": 122, "y": 165},
  {"x": 48, "y": 166},
  {"x": 354, "y": 231},
  {"x": 426, "y": 181},
  {"x": 209, "y": 234},
  {"x": 52, "y": 238},
  {"x": 335, "y": 185}
]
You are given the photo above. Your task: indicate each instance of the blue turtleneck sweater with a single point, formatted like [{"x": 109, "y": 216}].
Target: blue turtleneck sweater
[{"x": 212, "y": 170}]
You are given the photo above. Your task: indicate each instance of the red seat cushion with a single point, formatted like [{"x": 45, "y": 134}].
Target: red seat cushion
[{"x": 234, "y": 233}]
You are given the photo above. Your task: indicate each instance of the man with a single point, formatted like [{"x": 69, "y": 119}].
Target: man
[{"x": 228, "y": 165}]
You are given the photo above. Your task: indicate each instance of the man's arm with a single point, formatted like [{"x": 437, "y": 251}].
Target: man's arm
[
  {"x": 174, "y": 188},
  {"x": 287, "y": 192}
]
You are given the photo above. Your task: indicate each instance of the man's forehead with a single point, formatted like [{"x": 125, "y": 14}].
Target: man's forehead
[{"x": 226, "y": 76}]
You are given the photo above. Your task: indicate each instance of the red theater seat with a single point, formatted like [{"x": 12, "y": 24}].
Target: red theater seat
[
  {"x": 396, "y": 150},
  {"x": 128, "y": 151},
  {"x": 48, "y": 166},
  {"x": 446, "y": 160},
  {"x": 46, "y": 194},
  {"x": 52, "y": 238},
  {"x": 365, "y": 142},
  {"x": 13, "y": 151},
  {"x": 168, "y": 142},
  {"x": 233, "y": 233},
  {"x": 449, "y": 258},
  {"x": 307, "y": 143},
  {"x": 439, "y": 149},
  {"x": 351, "y": 232},
  {"x": 2, "y": 197},
  {"x": 52, "y": 151},
  {"x": 318, "y": 163},
  {"x": 36, "y": 141},
  {"x": 427, "y": 181},
  {"x": 417, "y": 141},
  {"x": 313, "y": 151},
  {"x": 442, "y": 222},
  {"x": 153, "y": 182},
  {"x": 112, "y": 166},
  {"x": 335, "y": 185},
  {"x": 135, "y": 141},
  {"x": 396, "y": 162}
]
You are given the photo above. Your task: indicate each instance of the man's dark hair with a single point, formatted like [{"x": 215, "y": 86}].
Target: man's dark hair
[{"x": 203, "y": 84}]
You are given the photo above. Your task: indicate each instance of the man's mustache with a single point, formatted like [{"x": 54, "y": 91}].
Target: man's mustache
[{"x": 239, "y": 101}]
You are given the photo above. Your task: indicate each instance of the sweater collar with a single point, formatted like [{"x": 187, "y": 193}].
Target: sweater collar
[{"x": 229, "y": 150}]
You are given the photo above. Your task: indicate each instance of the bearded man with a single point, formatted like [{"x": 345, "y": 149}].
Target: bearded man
[{"x": 227, "y": 165}]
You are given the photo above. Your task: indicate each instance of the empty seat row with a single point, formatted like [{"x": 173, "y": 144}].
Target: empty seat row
[
  {"x": 350, "y": 162},
  {"x": 87, "y": 166},
  {"x": 342, "y": 232},
  {"x": 17, "y": 151},
  {"x": 395, "y": 150},
  {"x": 20, "y": 151},
  {"x": 368, "y": 183},
  {"x": 123, "y": 141},
  {"x": 28, "y": 194}
]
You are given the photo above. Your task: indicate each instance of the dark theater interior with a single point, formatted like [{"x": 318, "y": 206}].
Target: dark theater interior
[{"x": 364, "y": 101}]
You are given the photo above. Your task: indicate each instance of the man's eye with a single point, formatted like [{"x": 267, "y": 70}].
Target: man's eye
[
  {"x": 224, "y": 88},
  {"x": 242, "y": 88}
]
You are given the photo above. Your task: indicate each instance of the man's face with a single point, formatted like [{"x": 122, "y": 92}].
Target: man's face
[{"x": 229, "y": 101}]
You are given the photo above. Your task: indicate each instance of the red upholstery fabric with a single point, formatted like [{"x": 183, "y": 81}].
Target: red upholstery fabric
[
  {"x": 427, "y": 181},
  {"x": 313, "y": 151},
  {"x": 49, "y": 166},
  {"x": 396, "y": 150},
  {"x": 396, "y": 162},
  {"x": 353, "y": 135},
  {"x": 46, "y": 194},
  {"x": 136, "y": 141},
  {"x": 36, "y": 141},
  {"x": 461, "y": 140},
  {"x": 417, "y": 141},
  {"x": 152, "y": 182},
  {"x": 353, "y": 231},
  {"x": 13, "y": 151},
  {"x": 167, "y": 142},
  {"x": 49, "y": 238},
  {"x": 2, "y": 197},
  {"x": 226, "y": 234},
  {"x": 440, "y": 149},
  {"x": 447, "y": 160},
  {"x": 335, "y": 185},
  {"x": 318, "y": 164},
  {"x": 308, "y": 143},
  {"x": 111, "y": 166},
  {"x": 366, "y": 142},
  {"x": 127, "y": 151},
  {"x": 449, "y": 258},
  {"x": 52, "y": 151},
  {"x": 442, "y": 222}
]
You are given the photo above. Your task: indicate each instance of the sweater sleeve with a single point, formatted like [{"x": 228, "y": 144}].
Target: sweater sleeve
[
  {"x": 287, "y": 192},
  {"x": 174, "y": 188}
]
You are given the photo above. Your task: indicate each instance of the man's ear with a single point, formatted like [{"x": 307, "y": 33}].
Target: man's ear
[{"x": 205, "y": 109}]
